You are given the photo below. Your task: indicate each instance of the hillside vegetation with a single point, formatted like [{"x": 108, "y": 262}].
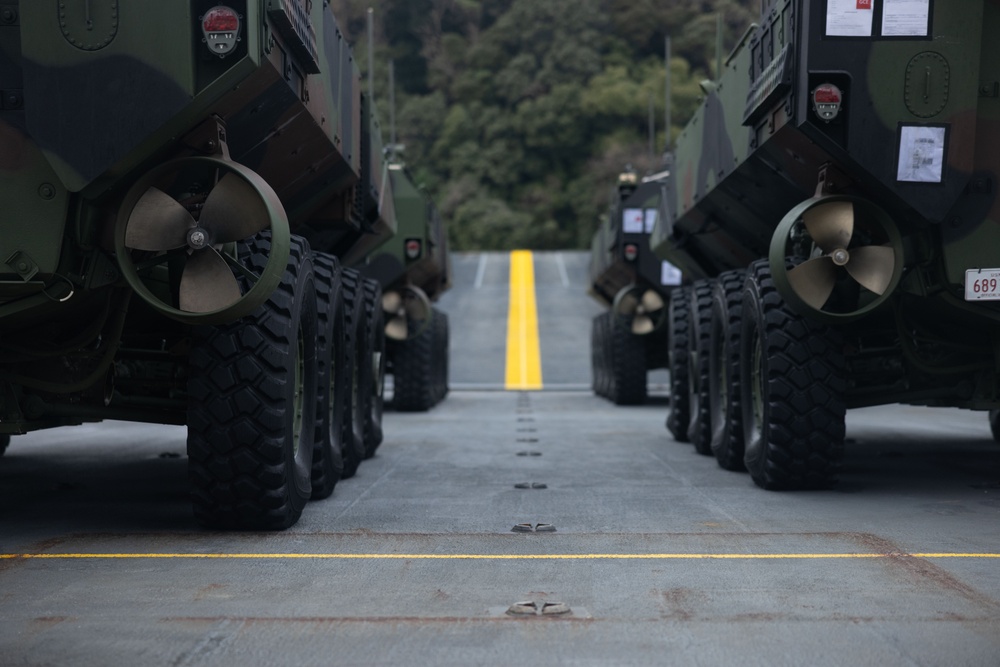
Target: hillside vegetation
[{"x": 516, "y": 115}]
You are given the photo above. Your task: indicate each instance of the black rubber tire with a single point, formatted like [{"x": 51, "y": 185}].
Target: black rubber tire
[
  {"x": 610, "y": 389},
  {"x": 250, "y": 423},
  {"x": 332, "y": 382},
  {"x": 791, "y": 391},
  {"x": 440, "y": 353},
  {"x": 601, "y": 342},
  {"x": 359, "y": 370},
  {"x": 596, "y": 356},
  {"x": 699, "y": 428},
  {"x": 995, "y": 424},
  {"x": 375, "y": 320},
  {"x": 4, "y": 443},
  {"x": 724, "y": 410},
  {"x": 628, "y": 364},
  {"x": 678, "y": 315},
  {"x": 413, "y": 371}
]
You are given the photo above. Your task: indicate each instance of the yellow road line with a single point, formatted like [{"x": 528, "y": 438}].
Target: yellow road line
[
  {"x": 524, "y": 361},
  {"x": 350, "y": 556}
]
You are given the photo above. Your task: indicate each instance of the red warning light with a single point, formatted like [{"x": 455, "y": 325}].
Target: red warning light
[
  {"x": 827, "y": 99},
  {"x": 220, "y": 27},
  {"x": 827, "y": 94},
  {"x": 221, "y": 19}
]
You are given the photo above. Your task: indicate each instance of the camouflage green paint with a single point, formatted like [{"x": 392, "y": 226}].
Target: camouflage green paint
[{"x": 728, "y": 204}]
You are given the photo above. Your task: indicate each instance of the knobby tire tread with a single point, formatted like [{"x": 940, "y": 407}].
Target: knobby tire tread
[
  {"x": 328, "y": 456},
  {"x": 359, "y": 371},
  {"x": 677, "y": 323},
  {"x": 727, "y": 419},
  {"x": 699, "y": 351},
  {"x": 243, "y": 467},
  {"x": 800, "y": 439}
]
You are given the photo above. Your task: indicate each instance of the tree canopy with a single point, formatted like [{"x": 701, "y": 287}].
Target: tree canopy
[{"x": 517, "y": 115}]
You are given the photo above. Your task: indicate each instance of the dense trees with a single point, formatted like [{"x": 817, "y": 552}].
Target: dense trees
[{"x": 517, "y": 114}]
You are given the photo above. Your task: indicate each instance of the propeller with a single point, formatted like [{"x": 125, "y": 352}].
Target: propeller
[
  {"x": 233, "y": 211},
  {"x": 831, "y": 225},
  {"x": 646, "y": 309},
  {"x": 407, "y": 312}
]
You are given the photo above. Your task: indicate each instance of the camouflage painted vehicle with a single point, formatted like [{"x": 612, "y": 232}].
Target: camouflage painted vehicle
[
  {"x": 629, "y": 339},
  {"x": 414, "y": 269},
  {"x": 184, "y": 185},
  {"x": 835, "y": 198}
]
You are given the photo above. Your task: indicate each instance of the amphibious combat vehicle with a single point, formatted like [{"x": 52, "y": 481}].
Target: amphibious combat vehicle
[
  {"x": 630, "y": 338},
  {"x": 835, "y": 200},
  {"x": 414, "y": 269},
  {"x": 184, "y": 187}
]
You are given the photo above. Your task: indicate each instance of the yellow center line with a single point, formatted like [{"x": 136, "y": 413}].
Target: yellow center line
[
  {"x": 524, "y": 364},
  {"x": 363, "y": 556}
]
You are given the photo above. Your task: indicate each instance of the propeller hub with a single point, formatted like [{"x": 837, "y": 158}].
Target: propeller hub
[
  {"x": 840, "y": 257},
  {"x": 197, "y": 238}
]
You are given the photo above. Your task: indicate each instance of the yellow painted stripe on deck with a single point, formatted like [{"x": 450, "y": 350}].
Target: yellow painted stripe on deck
[
  {"x": 524, "y": 359},
  {"x": 362, "y": 556}
]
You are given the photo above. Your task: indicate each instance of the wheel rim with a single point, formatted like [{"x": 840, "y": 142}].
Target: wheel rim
[
  {"x": 721, "y": 374},
  {"x": 299, "y": 393},
  {"x": 757, "y": 388}
]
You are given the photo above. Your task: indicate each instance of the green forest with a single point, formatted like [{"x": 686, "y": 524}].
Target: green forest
[{"x": 517, "y": 115}]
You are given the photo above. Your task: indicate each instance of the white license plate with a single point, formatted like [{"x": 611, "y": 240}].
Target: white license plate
[{"x": 982, "y": 285}]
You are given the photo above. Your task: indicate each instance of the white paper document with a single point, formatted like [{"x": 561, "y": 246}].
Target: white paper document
[
  {"x": 849, "y": 18},
  {"x": 633, "y": 221},
  {"x": 921, "y": 154},
  {"x": 669, "y": 274},
  {"x": 905, "y": 18},
  {"x": 651, "y": 214}
]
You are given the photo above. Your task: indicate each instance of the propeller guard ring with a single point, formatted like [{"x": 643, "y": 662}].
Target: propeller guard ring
[
  {"x": 873, "y": 216},
  {"x": 269, "y": 278}
]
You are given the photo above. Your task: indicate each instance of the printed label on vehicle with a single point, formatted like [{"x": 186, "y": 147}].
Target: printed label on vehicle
[{"x": 982, "y": 285}]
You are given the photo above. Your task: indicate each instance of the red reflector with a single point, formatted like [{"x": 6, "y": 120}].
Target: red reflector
[
  {"x": 827, "y": 94},
  {"x": 221, "y": 19},
  {"x": 631, "y": 252}
]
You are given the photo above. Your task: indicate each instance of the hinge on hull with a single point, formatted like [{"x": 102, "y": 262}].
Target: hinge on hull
[
  {"x": 209, "y": 138},
  {"x": 831, "y": 181}
]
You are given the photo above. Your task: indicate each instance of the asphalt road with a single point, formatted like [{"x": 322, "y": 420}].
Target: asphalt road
[{"x": 659, "y": 556}]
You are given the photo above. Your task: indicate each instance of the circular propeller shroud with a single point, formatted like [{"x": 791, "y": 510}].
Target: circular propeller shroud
[
  {"x": 857, "y": 251},
  {"x": 154, "y": 229},
  {"x": 407, "y": 312},
  {"x": 643, "y": 308}
]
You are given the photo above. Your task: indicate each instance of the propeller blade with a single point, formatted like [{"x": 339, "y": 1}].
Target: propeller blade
[
  {"x": 652, "y": 301},
  {"x": 642, "y": 324},
  {"x": 628, "y": 304},
  {"x": 158, "y": 222},
  {"x": 396, "y": 328},
  {"x": 207, "y": 283},
  {"x": 233, "y": 211},
  {"x": 872, "y": 266},
  {"x": 814, "y": 280},
  {"x": 392, "y": 301},
  {"x": 831, "y": 225}
]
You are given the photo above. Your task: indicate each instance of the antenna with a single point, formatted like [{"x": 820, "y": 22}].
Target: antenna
[
  {"x": 652, "y": 127},
  {"x": 718, "y": 46},
  {"x": 666, "y": 112},
  {"x": 392, "y": 106},
  {"x": 371, "y": 54}
]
